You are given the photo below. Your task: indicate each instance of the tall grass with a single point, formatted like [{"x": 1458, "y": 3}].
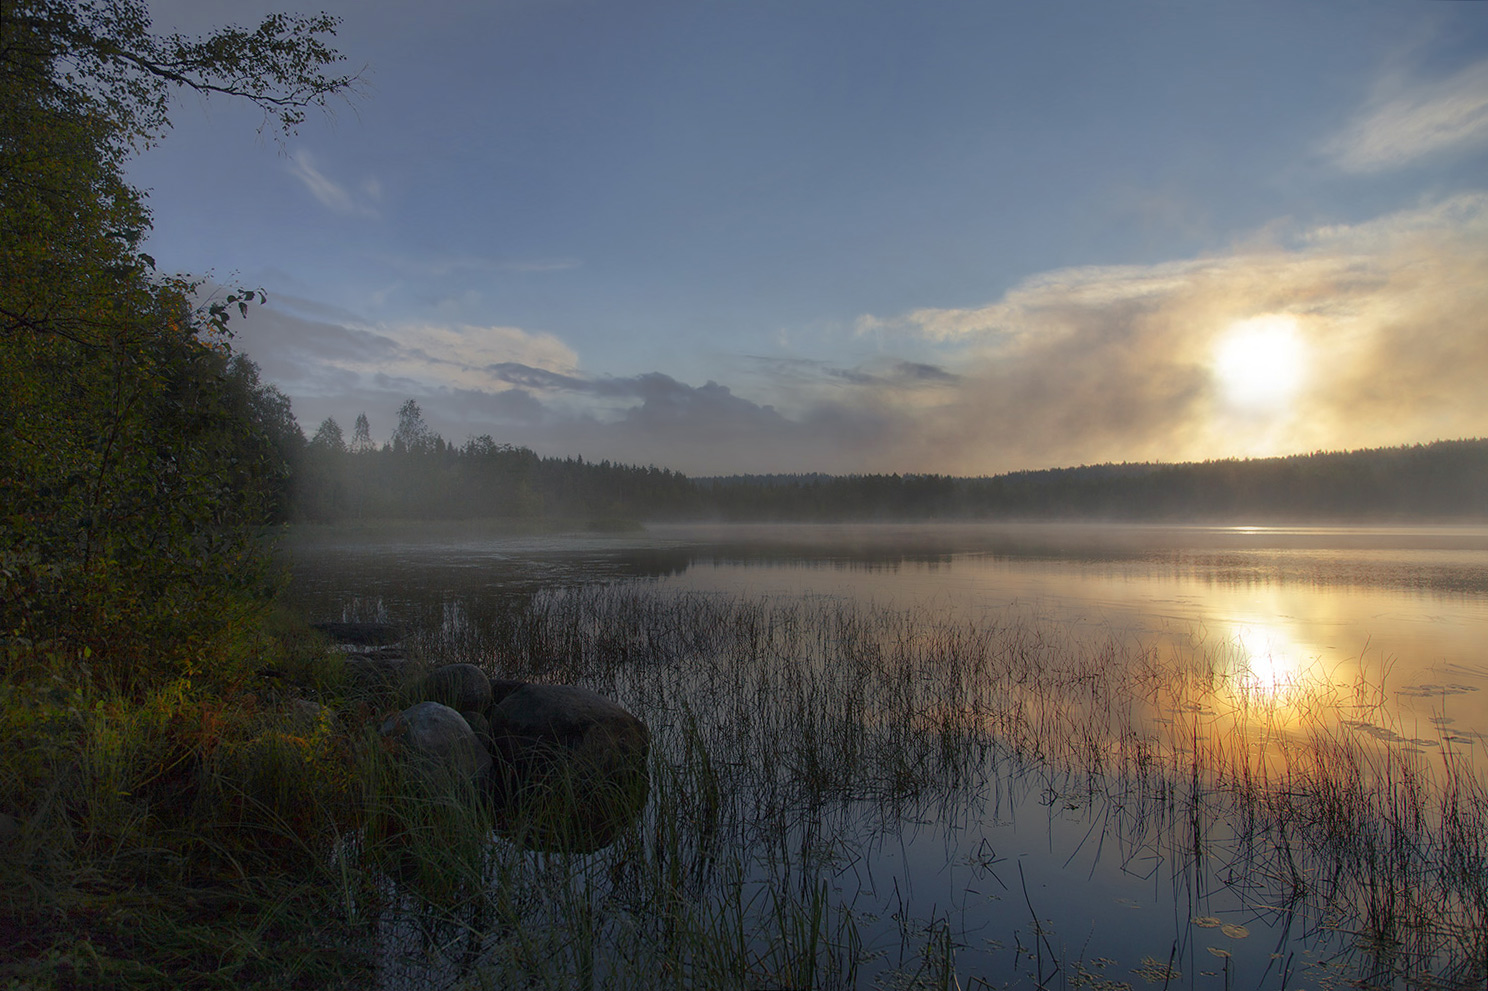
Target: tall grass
[
  {"x": 790, "y": 735},
  {"x": 264, "y": 836},
  {"x": 174, "y": 833}
]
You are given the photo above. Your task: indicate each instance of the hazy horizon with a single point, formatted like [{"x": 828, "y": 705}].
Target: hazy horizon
[{"x": 862, "y": 238}]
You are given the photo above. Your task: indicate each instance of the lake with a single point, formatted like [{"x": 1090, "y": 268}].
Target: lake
[{"x": 1058, "y": 755}]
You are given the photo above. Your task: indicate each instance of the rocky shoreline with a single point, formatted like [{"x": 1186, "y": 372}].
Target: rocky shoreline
[{"x": 561, "y": 767}]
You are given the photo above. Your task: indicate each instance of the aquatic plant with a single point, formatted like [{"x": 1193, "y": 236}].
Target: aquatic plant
[{"x": 793, "y": 736}]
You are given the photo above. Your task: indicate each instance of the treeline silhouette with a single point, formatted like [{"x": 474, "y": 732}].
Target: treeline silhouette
[
  {"x": 1445, "y": 480},
  {"x": 419, "y": 475}
]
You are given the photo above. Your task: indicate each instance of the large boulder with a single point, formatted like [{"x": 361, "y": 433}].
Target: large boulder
[
  {"x": 386, "y": 668},
  {"x": 570, "y": 766},
  {"x": 462, "y": 687},
  {"x": 439, "y": 741}
]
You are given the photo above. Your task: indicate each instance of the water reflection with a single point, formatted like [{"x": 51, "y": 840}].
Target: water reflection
[
  {"x": 1270, "y": 660},
  {"x": 1046, "y": 731},
  {"x": 1294, "y": 611}
]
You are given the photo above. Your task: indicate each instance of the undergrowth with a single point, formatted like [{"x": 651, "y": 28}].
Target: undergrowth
[{"x": 248, "y": 827}]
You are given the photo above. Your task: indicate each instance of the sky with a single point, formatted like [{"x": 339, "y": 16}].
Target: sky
[{"x": 725, "y": 237}]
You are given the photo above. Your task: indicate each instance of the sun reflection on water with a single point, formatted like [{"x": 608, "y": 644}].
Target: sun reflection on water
[{"x": 1272, "y": 668}]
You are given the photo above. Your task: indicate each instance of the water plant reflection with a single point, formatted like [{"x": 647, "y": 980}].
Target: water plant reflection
[{"x": 845, "y": 793}]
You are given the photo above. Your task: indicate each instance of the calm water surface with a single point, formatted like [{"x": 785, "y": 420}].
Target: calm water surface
[
  {"x": 1406, "y": 607},
  {"x": 1403, "y": 610}
]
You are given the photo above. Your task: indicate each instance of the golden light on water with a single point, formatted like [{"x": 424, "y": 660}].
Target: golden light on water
[
  {"x": 1271, "y": 665},
  {"x": 1261, "y": 363}
]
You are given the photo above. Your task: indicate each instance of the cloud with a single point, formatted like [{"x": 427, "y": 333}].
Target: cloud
[
  {"x": 332, "y": 194},
  {"x": 1079, "y": 365},
  {"x": 1409, "y": 120},
  {"x": 464, "y": 354},
  {"x": 788, "y": 376},
  {"x": 443, "y": 266},
  {"x": 1117, "y": 363},
  {"x": 313, "y": 350}
]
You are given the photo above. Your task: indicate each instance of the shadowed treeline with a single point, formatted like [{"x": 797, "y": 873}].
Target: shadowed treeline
[
  {"x": 418, "y": 475},
  {"x": 1439, "y": 481}
]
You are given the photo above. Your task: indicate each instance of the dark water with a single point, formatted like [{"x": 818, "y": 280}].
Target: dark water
[{"x": 1032, "y": 876}]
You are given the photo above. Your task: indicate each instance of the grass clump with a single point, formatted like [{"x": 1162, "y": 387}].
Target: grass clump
[
  {"x": 252, "y": 829},
  {"x": 793, "y": 738},
  {"x": 179, "y": 832}
]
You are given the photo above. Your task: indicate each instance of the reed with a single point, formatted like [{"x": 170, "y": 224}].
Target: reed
[
  {"x": 790, "y": 734},
  {"x": 265, "y": 836}
]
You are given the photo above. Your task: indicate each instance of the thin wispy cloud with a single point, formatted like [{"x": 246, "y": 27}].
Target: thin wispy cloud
[
  {"x": 1408, "y": 120},
  {"x": 1079, "y": 365},
  {"x": 360, "y": 202},
  {"x": 446, "y": 266}
]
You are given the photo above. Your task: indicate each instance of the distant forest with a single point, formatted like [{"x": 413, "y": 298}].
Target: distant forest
[{"x": 419, "y": 475}]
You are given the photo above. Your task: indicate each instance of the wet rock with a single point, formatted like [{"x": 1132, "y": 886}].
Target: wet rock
[
  {"x": 570, "y": 766},
  {"x": 462, "y": 687},
  {"x": 440, "y": 740}
]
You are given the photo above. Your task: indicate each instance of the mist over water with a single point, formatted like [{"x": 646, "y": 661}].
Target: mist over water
[
  {"x": 1247, "y": 648},
  {"x": 1405, "y": 606}
]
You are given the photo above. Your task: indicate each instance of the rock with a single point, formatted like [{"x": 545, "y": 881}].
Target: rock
[
  {"x": 304, "y": 715},
  {"x": 571, "y": 766},
  {"x": 439, "y": 739},
  {"x": 361, "y": 634},
  {"x": 501, "y": 688},
  {"x": 480, "y": 726},
  {"x": 378, "y": 668},
  {"x": 462, "y": 687}
]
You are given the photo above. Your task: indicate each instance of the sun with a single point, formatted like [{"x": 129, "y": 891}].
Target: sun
[{"x": 1260, "y": 363}]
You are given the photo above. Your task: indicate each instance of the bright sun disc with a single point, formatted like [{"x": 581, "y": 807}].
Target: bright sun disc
[{"x": 1260, "y": 362}]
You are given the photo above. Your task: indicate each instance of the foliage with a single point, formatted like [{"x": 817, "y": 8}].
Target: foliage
[
  {"x": 138, "y": 454},
  {"x": 1445, "y": 480},
  {"x": 99, "y": 58},
  {"x": 159, "y": 790},
  {"x": 175, "y": 835},
  {"x": 139, "y": 462}
]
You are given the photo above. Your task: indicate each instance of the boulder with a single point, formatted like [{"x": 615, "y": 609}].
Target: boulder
[
  {"x": 379, "y": 668},
  {"x": 479, "y": 726},
  {"x": 462, "y": 687},
  {"x": 304, "y": 715},
  {"x": 570, "y": 766},
  {"x": 439, "y": 740},
  {"x": 501, "y": 688}
]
